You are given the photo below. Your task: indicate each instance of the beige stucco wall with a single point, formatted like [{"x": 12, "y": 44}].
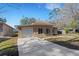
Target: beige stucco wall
[
  {"x": 35, "y": 31},
  {"x": 1, "y": 33},
  {"x": 1, "y": 28},
  {"x": 7, "y": 31}
]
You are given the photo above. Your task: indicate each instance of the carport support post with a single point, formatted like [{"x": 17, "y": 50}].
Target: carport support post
[
  {"x": 19, "y": 32},
  {"x": 51, "y": 31}
]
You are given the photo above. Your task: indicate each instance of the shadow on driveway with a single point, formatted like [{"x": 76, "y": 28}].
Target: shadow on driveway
[
  {"x": 3, "y": 39},
  {"x": 67, "y": 44}
]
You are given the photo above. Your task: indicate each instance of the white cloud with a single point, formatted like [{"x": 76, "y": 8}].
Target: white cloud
[{"x": 51, "y": 6}]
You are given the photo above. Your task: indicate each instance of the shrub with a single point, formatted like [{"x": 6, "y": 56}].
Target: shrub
[{"x": 66, "y": 30}]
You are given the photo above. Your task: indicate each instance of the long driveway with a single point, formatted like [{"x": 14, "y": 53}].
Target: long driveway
[{"x": 37, "y": 47}]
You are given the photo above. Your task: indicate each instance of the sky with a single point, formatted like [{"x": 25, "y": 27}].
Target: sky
[{"x": 14, "y": 12}]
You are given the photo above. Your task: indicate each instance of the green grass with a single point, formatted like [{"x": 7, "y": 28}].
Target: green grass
[
  {"x": 72, "y": 42},
  {"x": 8, "y": 43},
  {"x": 9, "y": 46}
]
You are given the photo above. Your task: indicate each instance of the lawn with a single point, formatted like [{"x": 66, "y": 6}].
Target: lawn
[
  {"x": 9, "y": 47},
  {"x": 68, "y": 40}
]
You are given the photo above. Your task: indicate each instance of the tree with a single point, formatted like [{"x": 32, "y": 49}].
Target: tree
[
  {"x": 3, "y": 20},
  {"x": 73, "y": 25},
  {"x": 68, "y": 15},
  {"x": 72, "y": 11},
  {"x": 32, "y": 20},
  {"x": 24, "y": 21},
  {"x": 57, "y": 15},
  {"x": 27, "y": 21},
  {"x": 54, "y": 12}
]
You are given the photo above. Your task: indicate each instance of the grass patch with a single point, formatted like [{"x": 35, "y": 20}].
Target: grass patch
[
  {"x": 70, "y": 41},
  {"x": 10, "y": 51},
  {"x": 9, "y": 47}
]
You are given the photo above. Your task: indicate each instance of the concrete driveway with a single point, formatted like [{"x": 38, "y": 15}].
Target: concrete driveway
[{"x": 37, "y": 47}]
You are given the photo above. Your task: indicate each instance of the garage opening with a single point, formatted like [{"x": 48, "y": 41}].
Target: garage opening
[{"x": 26, "y": 33}]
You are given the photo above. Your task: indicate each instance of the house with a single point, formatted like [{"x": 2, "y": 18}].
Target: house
[
  {"x": 37, "y": 29},
  {"x": 6, "y": 30}
]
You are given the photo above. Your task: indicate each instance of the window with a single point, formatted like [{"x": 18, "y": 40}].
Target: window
[
  {"x": 40, "y": 31},
  {"x": 47, "y": 31},
  {"x": 1, "y": 29}
]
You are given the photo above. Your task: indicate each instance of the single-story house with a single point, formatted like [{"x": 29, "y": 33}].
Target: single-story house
[
  {"x": 37, "y": 29},
  {"x": 6, "y": 30}
]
